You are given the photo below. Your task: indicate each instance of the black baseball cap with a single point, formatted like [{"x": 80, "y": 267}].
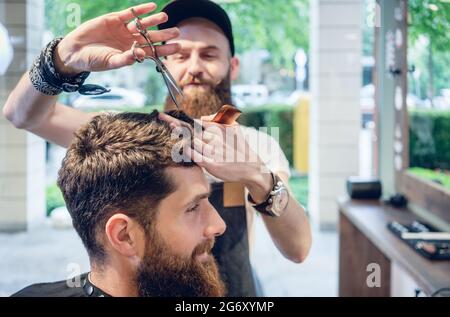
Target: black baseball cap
[{"x": 180, "y": 10}]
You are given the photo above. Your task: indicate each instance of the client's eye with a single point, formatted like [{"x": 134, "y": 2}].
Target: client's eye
[{"x": 193, "y": 208}]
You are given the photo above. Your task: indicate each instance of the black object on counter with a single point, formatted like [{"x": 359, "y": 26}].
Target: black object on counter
[
  {"x": 364, "y": 188},
  {"x": 432, "y": 248}
]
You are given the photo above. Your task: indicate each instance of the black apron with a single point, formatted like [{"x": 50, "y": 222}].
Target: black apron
[{"x": 231, "y": 249}]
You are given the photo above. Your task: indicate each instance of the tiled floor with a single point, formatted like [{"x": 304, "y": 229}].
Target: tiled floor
[
  {"x": 48, "y": 254},
  {"x": 40, "y": 255},
  {"x": 317, "y": 276}
]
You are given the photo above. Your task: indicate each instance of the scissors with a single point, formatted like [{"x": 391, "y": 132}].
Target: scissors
[{"x": 172, "y": 86}]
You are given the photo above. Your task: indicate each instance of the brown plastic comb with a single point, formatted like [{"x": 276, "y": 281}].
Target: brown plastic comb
[{"x": 227, "y": 115}]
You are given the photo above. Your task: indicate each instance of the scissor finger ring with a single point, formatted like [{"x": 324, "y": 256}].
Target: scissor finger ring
[{"x": 133, "y": 49}]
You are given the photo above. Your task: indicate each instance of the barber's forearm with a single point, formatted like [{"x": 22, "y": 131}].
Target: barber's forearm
[
  {"x": 26, "y": 107},
  {"x": 291, "y": 231}
]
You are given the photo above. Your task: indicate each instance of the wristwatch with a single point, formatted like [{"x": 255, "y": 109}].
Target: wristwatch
[{"x": 276, "y": 202}]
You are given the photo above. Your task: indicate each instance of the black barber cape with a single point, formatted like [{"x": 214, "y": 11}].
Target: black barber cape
[{"x": 63, "y": 289}]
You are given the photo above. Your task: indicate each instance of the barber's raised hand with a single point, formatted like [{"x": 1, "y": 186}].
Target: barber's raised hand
[{"x": 105, "y": 42}]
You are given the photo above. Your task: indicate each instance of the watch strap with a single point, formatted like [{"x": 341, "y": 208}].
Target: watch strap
[{"x": 262, "y": 207}]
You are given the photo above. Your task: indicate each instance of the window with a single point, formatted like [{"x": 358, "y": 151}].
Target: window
[{"x": 426, "y": 178}]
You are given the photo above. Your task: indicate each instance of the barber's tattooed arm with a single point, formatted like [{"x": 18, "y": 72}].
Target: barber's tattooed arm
[
  {"x": 100, "y": 44},
  {"x": 235, "y": 162}
]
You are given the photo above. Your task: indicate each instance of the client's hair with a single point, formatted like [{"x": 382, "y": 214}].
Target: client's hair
[{"x": 117, "y": 163}]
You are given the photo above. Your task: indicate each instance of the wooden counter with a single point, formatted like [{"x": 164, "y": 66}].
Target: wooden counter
[{"x": 364, "y": 239}]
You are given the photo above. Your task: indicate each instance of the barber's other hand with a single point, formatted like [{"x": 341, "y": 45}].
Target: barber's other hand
[
  {"x": 224, "y": 152},
  {"x": 105, "y": 42},
  {"x": 221, "y": 149}
]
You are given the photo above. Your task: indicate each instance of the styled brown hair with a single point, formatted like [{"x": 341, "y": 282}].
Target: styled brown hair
[{"x": 116, "y": 163}]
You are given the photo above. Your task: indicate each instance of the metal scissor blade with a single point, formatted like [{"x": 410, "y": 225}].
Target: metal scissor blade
[
  {"x": 174, "y": 92},
  {"x": 171, "y": 84},
  {"x": 172, "y": 81}
]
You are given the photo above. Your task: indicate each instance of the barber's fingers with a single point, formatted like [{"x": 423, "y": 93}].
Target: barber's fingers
[
  {"x": 174, "y": 122},
  {"x": 198, "y": 157},
  {"x": 217, "y": 133},
  {"x": 214, "y": 137},
  {"x": 124, "y": 55},
  {"x": 126, "y": 15},
  {"x": 208, "y": 118},
  {"x": 124, "y": 59},
  {"x": 209, "y": 137},
  {"x": 205, "y": 149},
  {"x": 161, "y": 50},
  {"x": 216, "y": 128},
  {"x": 159, "y": 36},
  {"x": 213, "y": 133},
  {"x": 147, "y": 22},
  {"x": 168, "y": 49},
  {"x": 163, "y": 35},
  {"x": 206, "y": 122},
  {"x": 127, "y": 58}
]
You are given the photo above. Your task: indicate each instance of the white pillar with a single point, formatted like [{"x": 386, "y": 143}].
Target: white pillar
[
  {"x": 22, "y": 155},
  {"x": 335, "y": 54}
]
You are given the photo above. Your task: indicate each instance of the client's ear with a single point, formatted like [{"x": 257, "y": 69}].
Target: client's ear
[{"x": 125, "y": 235}]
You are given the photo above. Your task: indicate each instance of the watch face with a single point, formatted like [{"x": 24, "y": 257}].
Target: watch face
[{"x": 280, "y": 201}]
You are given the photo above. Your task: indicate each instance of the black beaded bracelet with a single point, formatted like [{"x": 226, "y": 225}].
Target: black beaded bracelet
[{"x": 48, "y": 81}]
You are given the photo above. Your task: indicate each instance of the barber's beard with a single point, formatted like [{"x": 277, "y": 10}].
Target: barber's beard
[
  {"x": 203, "y": 100},
  {"x": 164, "y": 274}
]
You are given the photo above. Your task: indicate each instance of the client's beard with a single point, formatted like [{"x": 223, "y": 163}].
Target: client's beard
[
  {"x": 163, "y": 274},
  {"x": 204, "y": 100}
]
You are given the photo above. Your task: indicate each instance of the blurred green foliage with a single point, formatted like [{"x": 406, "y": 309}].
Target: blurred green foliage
[
  {"x": 281, "y": 27},
  {"x": 429, "y": 139},
  {"x": 54, "y": 198},
  {"x": 439, "y": 177},
  {"x": 430, "y": 18},
  {"x": 298, "y": 185},
  {"x": 299, "y": 188},
  {"x": 273, "y": 116}
]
